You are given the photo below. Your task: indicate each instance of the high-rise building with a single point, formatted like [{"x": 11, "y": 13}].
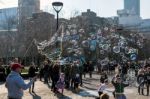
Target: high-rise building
[
  {"x": 8, "y": 18},
  {"x": 26, "y": 8},
  {"x": 132, "y": 6}
]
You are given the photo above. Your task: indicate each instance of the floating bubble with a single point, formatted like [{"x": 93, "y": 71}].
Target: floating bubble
[
  {"x": 100, "y": 45},
  {"x": 116, "y": 49},
  {"x": 133, "y": 57},
  {"x": 105, "y": 61},
  {"x": 127, "y": 50},
  {"x": 99, "y": 31},
  {"x": 74, "y": 31},
  {"x": 124, "y": 59},
  {"x": 106, "y": 28},
  {"x": 74, "y": 42},
  {"x": 92, "y": 47},
  {"x": 85, "y": 43},
  {"x": 67, "y": 32},
  {"x": 140, "y": 45},
  {"x": 121, "y": 54},
  {"x": 132, "y": 50},
  {"x": 105, "y": 47},
  {"x": 101, "y": 51},
  {"x": 81, "y": 30}
]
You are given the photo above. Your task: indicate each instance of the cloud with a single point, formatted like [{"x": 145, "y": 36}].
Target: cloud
[{"x": 8, "y": 3}]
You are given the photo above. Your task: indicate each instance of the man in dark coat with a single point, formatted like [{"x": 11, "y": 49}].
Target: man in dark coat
[
  {"x": 55, "y": 75},
  {"x": 32, "y": 74}
]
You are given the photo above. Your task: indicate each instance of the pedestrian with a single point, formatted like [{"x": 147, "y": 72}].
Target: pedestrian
[
  {"x": 77, "y": 81},
  {"x": 90, "y": 68},
  {"x": 2, "y": 71},
  {"x": 15, "y": 83},
  {"x": 119, "y": 88},
  {"x": 55, "y": 76},
  {"x": 67, "y": 75},
  {"x": 102, "y": 87},
  {"x": 145, "y": 81},
  {"x": 81, "y": 69},
  {"x": 32, "y": 74},
  {"x": 140, "y": 81},
  {"x": 74, "y": 70},
  {"x": 61, "y": 83},
  {"x": 41, "y": 74},
  {"x": 46, "y": 72},
  {"x": 85, "y": 67}
]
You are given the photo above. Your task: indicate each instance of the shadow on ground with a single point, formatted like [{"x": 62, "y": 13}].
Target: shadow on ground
[{"x": 35, "y": 96}]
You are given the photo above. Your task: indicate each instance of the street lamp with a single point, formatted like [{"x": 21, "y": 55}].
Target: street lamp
[{"x": 57, "y": 7}]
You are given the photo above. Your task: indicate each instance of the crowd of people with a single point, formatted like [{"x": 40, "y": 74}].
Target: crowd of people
[{"x": 70, "y": 75}]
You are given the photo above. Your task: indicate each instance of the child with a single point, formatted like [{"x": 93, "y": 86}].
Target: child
[
  {"x": 104, "y": 96},
  {"x": 61, "y": 83},
  {"x": 102, "y": 87},
  {"x": 76, "y": 82}
]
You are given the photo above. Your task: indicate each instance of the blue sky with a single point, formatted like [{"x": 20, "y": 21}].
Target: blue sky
[{"x": 104, "y": 8}]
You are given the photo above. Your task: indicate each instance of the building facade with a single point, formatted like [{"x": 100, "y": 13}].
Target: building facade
[
  {"x": 8, "y": 18},
  {"x": 26, "y": 8},
  {"x": 132, "y": 6}
]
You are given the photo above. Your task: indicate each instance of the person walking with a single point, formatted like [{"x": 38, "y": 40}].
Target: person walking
[
  {"x": 15, "y": 83},
  {"x": 90, "y": 68},
  {"x": 32, "y": 74},
  {"x": 46, "y": 72},
  {"x": 55, "y": 76}
]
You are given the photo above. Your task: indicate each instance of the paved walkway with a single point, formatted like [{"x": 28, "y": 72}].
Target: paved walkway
[{"x": 88, "y": 91}]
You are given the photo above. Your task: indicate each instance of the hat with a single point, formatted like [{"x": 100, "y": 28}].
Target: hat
[{"x": 15, "y": 66}]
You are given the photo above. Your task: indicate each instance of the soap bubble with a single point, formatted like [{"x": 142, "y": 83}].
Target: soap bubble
[
  {"x": 116, "y": 49},
  {"x": 105, "y": 47},
  {"x": 101, "y": 51},
  {"x": 105, "y": 61},
  {"x": 85, "y": 43},
  {"x": 133, "y": 57},
  {"x": 127, "y": 50}
]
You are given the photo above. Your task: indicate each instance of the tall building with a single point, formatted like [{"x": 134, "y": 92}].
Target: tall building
[
  {"x": 26, "y": 8},
  {"x": 8, "y": 18},
  {"x": 130, "y": 15},
  {"x": 132, "y": 6}
]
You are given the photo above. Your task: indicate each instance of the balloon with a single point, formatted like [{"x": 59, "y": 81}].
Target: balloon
[{"x": 116, "y": 49}]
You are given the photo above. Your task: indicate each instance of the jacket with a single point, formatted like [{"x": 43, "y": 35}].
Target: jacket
[{"x": 15, "y": 85}]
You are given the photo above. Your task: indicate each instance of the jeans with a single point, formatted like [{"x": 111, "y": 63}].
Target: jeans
[
  {"x": 120, "y": 96},
  {"x": 32, "y": 86}
]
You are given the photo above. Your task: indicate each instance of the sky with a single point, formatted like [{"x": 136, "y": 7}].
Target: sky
[{"x": 103, "y": 8}]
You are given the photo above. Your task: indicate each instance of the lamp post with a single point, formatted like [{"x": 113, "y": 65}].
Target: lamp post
[{"x": 57, "y": 7}]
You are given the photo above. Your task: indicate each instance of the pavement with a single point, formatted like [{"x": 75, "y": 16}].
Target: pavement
[{"x": 87, "y": 91}]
